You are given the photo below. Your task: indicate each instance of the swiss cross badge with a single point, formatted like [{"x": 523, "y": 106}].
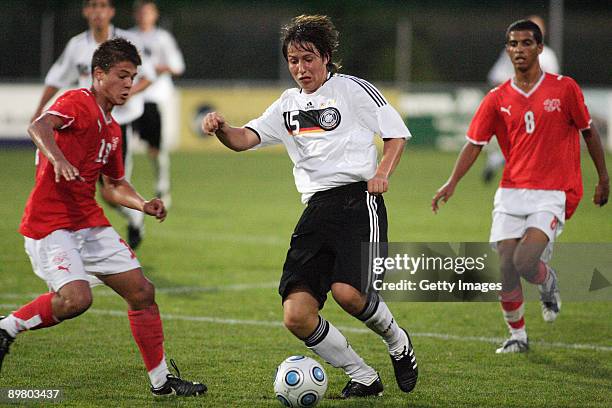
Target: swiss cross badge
[{"x": 551, "y": 105}]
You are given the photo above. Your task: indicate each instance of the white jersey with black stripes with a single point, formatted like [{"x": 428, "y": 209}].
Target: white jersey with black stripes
[{"x": 329, "y": 134}]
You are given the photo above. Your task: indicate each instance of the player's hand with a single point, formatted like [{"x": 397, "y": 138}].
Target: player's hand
[
  {"x": 212, "y": 122},
  {"x": 378, "y": 185},
  {"x": 444, "y": 193},
  {"x": 66, "y": 170},
  {"x": 602, "y": 192},
  {"x": 156, "y": 208}
]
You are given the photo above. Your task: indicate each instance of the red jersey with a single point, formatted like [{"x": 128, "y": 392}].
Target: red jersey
[
  {"x": 538, "y": 133},
  {"x": 91, "y": 142}
]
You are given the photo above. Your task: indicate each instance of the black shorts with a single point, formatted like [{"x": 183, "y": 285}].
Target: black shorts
[
  {"x": 328, "y": 241},
  {"x": 148, "y": 125}
]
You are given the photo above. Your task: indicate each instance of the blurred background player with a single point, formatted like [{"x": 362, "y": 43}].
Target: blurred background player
[
  {"x": 502, "y": 71},
  {"x": 161, "y": 47},
  {"x": 73, "y": 67},
  {"x": 328, "y": 126},
  {"x": 537, "y": 118},
  {"x": 68, "y": 238}
]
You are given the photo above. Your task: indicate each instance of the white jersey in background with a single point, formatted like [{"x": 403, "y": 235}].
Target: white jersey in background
[
  {"x": 74, "y": 67},
  {"x": 161, "y": 48},
  {"x": 504, "y": 70},
  {"x": 329, "y": 134}
]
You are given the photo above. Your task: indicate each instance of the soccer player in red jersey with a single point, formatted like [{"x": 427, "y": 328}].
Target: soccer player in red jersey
[
  {"x": 537, "y": 118},
  {"x": 69, "y": 241}
]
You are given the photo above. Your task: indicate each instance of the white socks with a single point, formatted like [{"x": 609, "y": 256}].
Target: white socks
[
  {"x": 378, "y": 318},
  {"x": 329, "y": 344},
  {"x": 157, "y": 376}
]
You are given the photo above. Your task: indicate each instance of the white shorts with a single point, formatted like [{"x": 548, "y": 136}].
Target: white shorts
[
  {"x": 65, "y": 256},
  {"x": 515, "y": 210}
]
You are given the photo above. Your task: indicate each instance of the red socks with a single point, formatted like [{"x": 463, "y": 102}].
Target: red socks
[
  {"x": 37, "y": 314},
  {"x": 148, "y": 333}
]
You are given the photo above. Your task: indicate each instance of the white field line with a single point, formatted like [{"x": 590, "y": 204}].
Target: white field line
[
  {"x": 268, "y": 323},
  {"x": 102, "y": 291}
]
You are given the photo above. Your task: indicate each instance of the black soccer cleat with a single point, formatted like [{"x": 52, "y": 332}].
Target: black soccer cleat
[
  {"x": 405, "y": 367},
  {"x": 5, "y": 342},
  {"x": 175, "y": 385},
  {"x": 134, "y": 236},
  {"x": 357, "y": 390}
]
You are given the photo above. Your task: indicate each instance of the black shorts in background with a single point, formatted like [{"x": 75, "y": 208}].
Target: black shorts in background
[
  {"x": 326, "y": 246},
  {"x": 149, "y": 125}
]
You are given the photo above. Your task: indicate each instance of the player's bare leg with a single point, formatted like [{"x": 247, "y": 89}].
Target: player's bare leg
[
  {"x": 301, "y": 317},
  {"x": 47, "y": 310},
  {"x": 511, "y": 298},
  {"x": 146, "y": 325},
  {"x": 373, "y": 311},
  {"x": 527, "y": 259}
]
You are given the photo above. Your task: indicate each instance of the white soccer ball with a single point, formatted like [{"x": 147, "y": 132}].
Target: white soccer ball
[{"x": 300, "y": 382}]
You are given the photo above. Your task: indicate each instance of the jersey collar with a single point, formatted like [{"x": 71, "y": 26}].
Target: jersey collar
[
  {"x": 535, "y": 87},
  {"x": 111, "y": 34}
]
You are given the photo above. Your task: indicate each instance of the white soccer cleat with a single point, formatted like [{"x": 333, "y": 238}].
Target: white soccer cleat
[
  {"x": 513, "y": 345},
  {"x": 550, "y": 299}
]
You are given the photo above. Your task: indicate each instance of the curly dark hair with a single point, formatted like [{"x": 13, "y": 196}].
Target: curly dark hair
[
  {"x": 314, "y": 33},
  {"x": 114, "y": 51}
]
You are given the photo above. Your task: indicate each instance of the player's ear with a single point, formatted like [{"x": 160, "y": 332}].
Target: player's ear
[
  {"x": 540, "y": 47},
  {"x": 98, "y": 74}
]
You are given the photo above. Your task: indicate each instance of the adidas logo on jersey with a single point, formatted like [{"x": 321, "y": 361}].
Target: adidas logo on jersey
[{"x": 309, "y": 105}]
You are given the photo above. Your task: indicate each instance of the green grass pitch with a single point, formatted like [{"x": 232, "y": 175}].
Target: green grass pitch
[{"x": 216, "y": 262}]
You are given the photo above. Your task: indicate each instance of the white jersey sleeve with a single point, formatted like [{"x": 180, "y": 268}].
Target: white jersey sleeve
[
  {"x": 374, "y": 112},
  {"x": 172, "y": 53},
  {"x": 269, "y": 126},
  {"x": 64, "y": 71}
]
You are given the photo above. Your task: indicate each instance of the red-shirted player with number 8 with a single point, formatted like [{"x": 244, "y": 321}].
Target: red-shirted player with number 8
[
  {"x": 537, "y": 118},
  {"x": 69, "y": 241}
]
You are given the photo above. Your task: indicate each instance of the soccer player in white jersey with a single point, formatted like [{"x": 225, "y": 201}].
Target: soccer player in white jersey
[
  {"x": 161, "y": 47},
  {"x": 503, "y": 70},
  {"x": 73, "y": 67},
  {"x": 537, "y": 118},
  {"x": 328, "y": 125}
]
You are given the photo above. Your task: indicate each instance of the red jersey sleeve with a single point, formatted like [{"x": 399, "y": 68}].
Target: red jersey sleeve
[
  {"x": 576, "y": 109},
  {"x": 114, "y": 166},
  {"x": 483, "y": 124},
  {"x": 72, "y": 108}
]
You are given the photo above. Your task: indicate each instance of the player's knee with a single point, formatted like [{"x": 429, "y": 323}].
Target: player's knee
[
  {"x": 525, "y": 267},
  {"x": 75, "y": 304},
  {"x": 142, "y": 297},
  {"x": 294, "y": 321}
]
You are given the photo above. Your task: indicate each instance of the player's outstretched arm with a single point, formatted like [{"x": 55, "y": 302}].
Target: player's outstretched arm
[
  {"x": 392, "y": 153},
  {"x": 237, "y": 139},
  {"x": 121, "y": 192},
  {"x": 466, "y": 159},
  {"x": 42, "y": 133},
  {"x": 593, "y": 142},
  {"x": 48, "y": 93}
]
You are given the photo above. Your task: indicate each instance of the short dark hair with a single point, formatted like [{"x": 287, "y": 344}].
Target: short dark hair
[
  {"x": 138, "y": 4},
  {"x": 316, "y": 30},
  {"x": 114, "y": 51},
  {"x": 86, "y": 3},
  {"x": 525, "y": 25}
]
